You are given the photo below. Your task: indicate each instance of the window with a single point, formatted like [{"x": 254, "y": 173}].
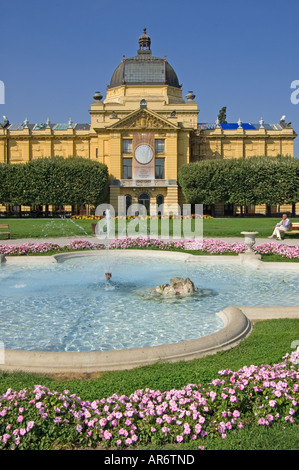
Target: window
[
  {"x": 127, "y": 146},
  {"x": 159, "y": 169},
  {"x": 160, "y": 145},
  {"x": 127, "y": 168}
]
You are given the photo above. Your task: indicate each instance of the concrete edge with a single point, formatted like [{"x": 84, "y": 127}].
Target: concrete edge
[
  {"x": 236, "y": 327},
  {"x": 245, "y": 259}
]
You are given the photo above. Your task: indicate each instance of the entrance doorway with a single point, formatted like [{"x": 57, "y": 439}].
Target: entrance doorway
[{"x": 144, "y": 199}]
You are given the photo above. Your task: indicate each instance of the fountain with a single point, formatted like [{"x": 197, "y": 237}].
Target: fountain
[
  {"x": 106, "y": 241},
  {"x": 101, "y": 326}
]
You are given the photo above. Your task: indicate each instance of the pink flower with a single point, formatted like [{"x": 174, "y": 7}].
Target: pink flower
[
  {"x": 262, "y": 421},
  {"x": 5, "y": 438},
  {"x": 198, "y": 428},
  {"x": 107, "y": 435},
  {"x": 187, "y": 429},
  {"x": 30, "y": 425}
]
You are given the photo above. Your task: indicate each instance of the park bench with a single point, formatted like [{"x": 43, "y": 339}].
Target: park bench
[
  {"x": 4, "y": 227},
  {"x": 294, "y": 228}
]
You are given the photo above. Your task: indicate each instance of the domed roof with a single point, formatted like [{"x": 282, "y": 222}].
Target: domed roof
[{"x": 144, "y": 69}]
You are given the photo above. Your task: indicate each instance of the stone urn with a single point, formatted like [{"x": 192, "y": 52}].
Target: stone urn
[{"x": 249, "y": 240}]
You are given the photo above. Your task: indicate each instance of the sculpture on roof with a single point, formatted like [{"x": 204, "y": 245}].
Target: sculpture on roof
[
  {"x": 5, "y": 122},
  {"x": 283, "y": 122}
]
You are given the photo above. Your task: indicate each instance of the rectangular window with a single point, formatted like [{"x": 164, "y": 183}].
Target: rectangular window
[
  {"x": 160, "y": 145},
  {"x": 127, "y": 168},
  {"x": 159, "y": 169},
  {"x": 127, "y": 146}
]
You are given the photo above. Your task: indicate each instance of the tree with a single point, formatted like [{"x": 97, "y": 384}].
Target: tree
[
  {"x": 55, "y": 181},
  {"x": 255, "y": 180},
  {"x": 222, "y": 115}
]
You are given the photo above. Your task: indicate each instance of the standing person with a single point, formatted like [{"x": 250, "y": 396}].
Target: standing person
[{"x": 282, "y": 226}]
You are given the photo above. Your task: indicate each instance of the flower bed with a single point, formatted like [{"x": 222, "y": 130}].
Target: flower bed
[
  {"x": 286, "y": 251},
  {"x": 130, "y": 217},
  {"x": 213, "y": 247},
  {"x": 28, "y": 248},
  {"x": 41, "y": 418}
]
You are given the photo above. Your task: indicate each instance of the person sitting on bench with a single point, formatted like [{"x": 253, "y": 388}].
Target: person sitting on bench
[{"x": 283, "y": 226}]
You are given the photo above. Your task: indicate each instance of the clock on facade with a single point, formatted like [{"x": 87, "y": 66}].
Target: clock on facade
[{"x": 144, "y": 154}]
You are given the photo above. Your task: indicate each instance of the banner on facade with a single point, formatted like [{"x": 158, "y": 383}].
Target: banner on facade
[{"x": 143, "y": 156}]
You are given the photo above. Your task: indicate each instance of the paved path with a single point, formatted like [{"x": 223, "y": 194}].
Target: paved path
[{"x": 62, "y": 241}]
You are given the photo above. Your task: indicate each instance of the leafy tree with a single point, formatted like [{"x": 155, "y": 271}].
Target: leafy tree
[
  {"x": 256, "y": 180},
  {"x": 56, "y": 181},
  {"x": 222, "y": 115}
]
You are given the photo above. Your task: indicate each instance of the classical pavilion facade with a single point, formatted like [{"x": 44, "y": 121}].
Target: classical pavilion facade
[{"x": 144, "y": 130}]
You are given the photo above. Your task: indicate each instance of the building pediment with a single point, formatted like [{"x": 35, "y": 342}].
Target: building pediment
[{"x": 144, "y": 119}]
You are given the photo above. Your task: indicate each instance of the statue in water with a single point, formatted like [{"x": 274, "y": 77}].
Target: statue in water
[{"x": 177, "y": 286}]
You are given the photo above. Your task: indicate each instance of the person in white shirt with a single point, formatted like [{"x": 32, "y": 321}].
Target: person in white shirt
[{"x": 282, "y": 226}]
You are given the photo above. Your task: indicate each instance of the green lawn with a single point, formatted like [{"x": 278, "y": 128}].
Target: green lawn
[
  {"x": 267, "y": 344},
  {"x": 46, "y": 228}
]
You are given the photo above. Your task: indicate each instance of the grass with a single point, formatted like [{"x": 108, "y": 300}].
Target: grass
[
  {"x": 46, "y": 228},
  {"x": 267, "y": 344}
]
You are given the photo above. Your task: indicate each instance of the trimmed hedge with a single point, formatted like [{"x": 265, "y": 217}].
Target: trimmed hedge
[
  {"x": 55, "y": 180},
  {"x": 255, "y": 180}
]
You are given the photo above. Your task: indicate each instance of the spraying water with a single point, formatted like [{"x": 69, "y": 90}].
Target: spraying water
[{"x": 108, "y": 275}]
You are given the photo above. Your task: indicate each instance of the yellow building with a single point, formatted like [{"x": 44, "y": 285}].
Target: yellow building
[{"x": 144, "y": 130}]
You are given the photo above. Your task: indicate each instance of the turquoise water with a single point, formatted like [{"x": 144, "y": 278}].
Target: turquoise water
[{"x": 69, "y": 306}]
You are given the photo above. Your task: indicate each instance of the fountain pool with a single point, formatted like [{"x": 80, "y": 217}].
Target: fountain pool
[{"x": 69, "y": 306}]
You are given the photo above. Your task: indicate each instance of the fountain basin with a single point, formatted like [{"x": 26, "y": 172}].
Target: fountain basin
[{"x": 235, "y": 324}]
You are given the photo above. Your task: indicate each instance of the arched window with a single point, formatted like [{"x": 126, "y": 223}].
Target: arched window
[{"x": 144, "y": 199}]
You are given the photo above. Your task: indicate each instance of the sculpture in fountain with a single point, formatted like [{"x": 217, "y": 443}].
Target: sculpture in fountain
[{"x": 177, "y": 286}]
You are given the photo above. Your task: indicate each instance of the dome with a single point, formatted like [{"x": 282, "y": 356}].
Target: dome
[{"x": 144, "y": 69}]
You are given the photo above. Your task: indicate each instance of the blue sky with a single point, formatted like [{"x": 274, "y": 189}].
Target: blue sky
[{"x": 244, "y": 55}]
